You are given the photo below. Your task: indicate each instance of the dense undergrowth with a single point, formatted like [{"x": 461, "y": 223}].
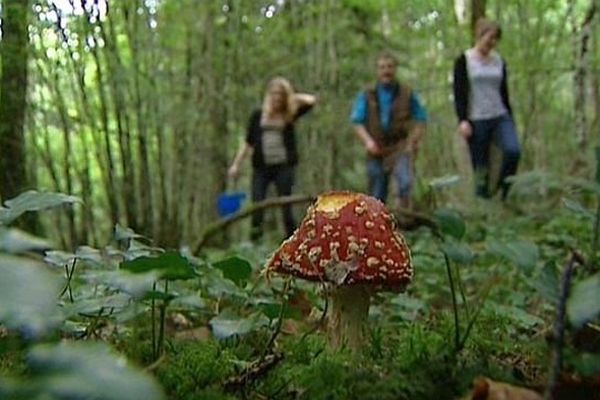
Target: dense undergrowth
[{"x": 211, "y": 327}]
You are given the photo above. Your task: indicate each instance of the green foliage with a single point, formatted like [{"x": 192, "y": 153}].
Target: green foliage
[
  {"x": 33, "y": 201},
  {"x": 195, "y": 370},
  {"x": 584, "y": 302},
  {"x": 227, "y": 324},
  {"x": 170, "y": 265},
  {"x": 235, "y": 268},
  {"x": 28, "y": 296},
  {"x": 450, "y": 223}
]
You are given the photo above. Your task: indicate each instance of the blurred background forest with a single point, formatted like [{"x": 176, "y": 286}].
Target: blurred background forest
[{"x": 138, "y": 106}]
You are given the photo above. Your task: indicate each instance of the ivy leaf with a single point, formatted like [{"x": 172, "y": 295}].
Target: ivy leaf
[
  {"x": 523, "y": 254},
  {"x": 33, "y": 201},
  {"x": 450, "y": 222},
  {"x": 227, "y": 324},
  {"x": 584, "y": 302},
  {"x": 88, "y": 371},
  {"x": 458, "y": 252},
  {"x": 16, "y": 241},
  {"x": 235, "y": 269},
  {"x": 123, "y": 233},
  {"x": 28, "y": 292},
  {"x": 547, "y": 283},
  {"x": 170, "y": 265}
]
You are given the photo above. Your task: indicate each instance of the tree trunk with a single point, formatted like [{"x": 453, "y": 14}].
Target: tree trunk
[
  {"x": 13, "y": 98},
  {"x": 579, "y": 79},
  {"x": 477, "y": 11}
]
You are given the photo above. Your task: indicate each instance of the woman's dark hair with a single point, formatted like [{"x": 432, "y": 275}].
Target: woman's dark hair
[{"x": 484, "y": 25}]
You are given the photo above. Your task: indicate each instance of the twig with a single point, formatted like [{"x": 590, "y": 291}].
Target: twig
[
  {"x": 257, "y": 369},
  {"x": 223, "y": 223},
  {"x": 559, "y": 323}
]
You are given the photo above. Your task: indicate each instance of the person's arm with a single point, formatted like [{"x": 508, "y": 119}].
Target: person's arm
[
  {"x": 304, "y": 102},
  {"x": 234, "y": 170},
  {"x": 248, "y": 146},
  {"x": 359, "y": 120},
  {"x": 460, "y": 86},
  {"x": 419, "y": 117},
  {"x": 504, "y": 88}
]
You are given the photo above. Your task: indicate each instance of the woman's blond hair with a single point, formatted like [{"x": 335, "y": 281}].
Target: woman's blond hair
[
  {"x": 484, "y": 25},
  {"x": 290, "y": 105}
]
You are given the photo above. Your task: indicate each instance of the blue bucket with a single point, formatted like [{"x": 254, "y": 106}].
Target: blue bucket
[{"x": 230, "y": 203}]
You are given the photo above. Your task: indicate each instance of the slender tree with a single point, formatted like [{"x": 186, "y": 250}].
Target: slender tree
[{"x": 13, "y": 95}]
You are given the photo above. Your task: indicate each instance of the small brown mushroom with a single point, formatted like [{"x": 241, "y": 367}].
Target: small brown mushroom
[{"x": 348, "y": 241}]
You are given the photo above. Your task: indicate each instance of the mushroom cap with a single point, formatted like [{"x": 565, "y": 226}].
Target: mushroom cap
[{"x": 346, "y": 238}]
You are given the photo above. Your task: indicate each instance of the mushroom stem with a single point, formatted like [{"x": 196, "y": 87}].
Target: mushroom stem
[{"x": 348, "y": 319}]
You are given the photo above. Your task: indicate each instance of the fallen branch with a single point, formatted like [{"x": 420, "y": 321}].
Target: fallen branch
[
  {"x": 220, "y": 225},
  {"x": 253, "y": 372}
]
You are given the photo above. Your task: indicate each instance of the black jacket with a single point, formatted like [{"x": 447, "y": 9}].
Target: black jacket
[
  {"x": 254, "y": 138},
  {"x": 461, "y": 88}
]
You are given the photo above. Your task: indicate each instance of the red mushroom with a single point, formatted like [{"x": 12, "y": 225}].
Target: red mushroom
[{"x": 348, "y": 241}]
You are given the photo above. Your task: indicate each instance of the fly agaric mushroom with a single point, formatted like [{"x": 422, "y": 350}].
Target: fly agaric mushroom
[{"x": 348, "y": 241}]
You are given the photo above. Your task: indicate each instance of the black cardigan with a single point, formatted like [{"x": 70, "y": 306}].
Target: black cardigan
[
  {"x": 254, "y": 138},
  {"x": 461, "y": 88}
]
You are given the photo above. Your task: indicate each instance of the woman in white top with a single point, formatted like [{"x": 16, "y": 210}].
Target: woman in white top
[
  {"x": 483, "y": 108},
  {"x": 271, "y": 139}
]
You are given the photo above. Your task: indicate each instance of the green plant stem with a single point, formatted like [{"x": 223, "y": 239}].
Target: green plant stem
[
  {"x": 596, "y": 231},
  {"x": 163, "y": 315},
  {"x": 153, "y": 317},
  {"x": 69, "y": 275},
  {"x": 461, "y": 290},
  {"x": 277, "y": 329},
  {"x": 454, "y": 304}
]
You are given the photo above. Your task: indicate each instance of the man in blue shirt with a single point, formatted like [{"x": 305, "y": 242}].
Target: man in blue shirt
[{"x": 390, "y": 122}]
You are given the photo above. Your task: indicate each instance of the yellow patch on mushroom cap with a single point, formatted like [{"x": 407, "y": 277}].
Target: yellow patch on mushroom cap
[{"x": 333, "y": 202}]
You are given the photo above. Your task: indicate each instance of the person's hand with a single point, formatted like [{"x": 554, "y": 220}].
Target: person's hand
[
  {"x": 465, "y": 129},
  {"x": 373, "y": 148},
  {"x": 233, "y": 172}
]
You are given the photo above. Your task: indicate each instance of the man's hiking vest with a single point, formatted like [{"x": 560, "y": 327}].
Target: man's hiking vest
[{"x": 400, "y": 120}]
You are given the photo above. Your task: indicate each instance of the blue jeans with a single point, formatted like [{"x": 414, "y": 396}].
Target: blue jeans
[
  {"x": 283, "y": 177},
  {"x": 379, "y": 177},
  {"x": 502, "y": 130}
]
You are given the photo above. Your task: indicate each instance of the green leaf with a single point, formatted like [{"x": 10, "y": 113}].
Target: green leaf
[
  {"x": 450, "y": 222},
  {"x": 227, "y": 324},
  {"x": 584, "y": 302},
  {"x": 170, "y": 265},
  {"x": 525, "y": 319},
  {"x": 272, "y": 309},
  {"x": 578, "y": 208},
  {"x": 28, "y": 293},
  {"x": 547, "y": 283},
  {"x": 16, "y": 241},
  {"x": 122, "y": 233},
  {"x": 89, "y": 371},
  {"x": 524, "y": 254},
  {"x": 458, "y": 252},
  {"x": 58, "y": 258},
  {"x": 33, "y": 201},
  {"x": 134, "y": 284},
  {"x": 219, "y": 287},
  {"x": 235, "y": 269}
]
